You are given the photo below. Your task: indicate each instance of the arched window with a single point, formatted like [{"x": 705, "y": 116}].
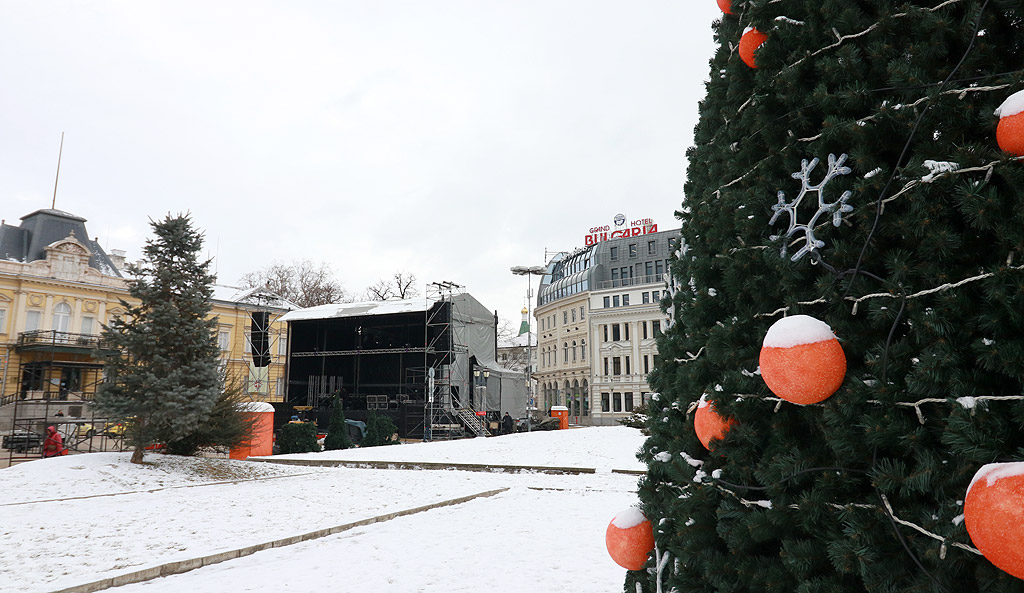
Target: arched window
[
  {"x": 583, "y": 349},
  {"x": 565, "y": 352},
  {"x": 567, "y": 391},
  {"x": 586, "y": 398},
  {"x": 62, "y": 317},
  {"x": 575, "y": 398},
  {"x": 574, "y": 350}
]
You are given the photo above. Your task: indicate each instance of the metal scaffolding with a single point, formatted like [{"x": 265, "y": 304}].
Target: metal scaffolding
[{"x": 446, "y": 360}]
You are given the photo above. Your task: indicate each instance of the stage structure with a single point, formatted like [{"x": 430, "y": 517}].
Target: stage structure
[{"x": 428, "y": 364}]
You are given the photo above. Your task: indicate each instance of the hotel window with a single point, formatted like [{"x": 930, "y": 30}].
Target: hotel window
[
  {"x": 565, "y": 351},
  {"x": 616, "y": 365},
  {"x": 627, "y": 366},
  {"x": 647, "y": 366},
  {"x": 33, "y": 320},
  {"x": 655, "y": 296},
  {"x": 628, "y": 400},
  {"x": 656, "y": 328},
  {"x": 617, "y": 401},
  {"x": 652, "y": 246},
  {"x": 613, "y": 253},
  {"x": 649, "y": 268},
  {"x": 88, "y": 325},
  {"x": 224, "y": 340},
  {"x": 616, "y": 334},
  {"x": 605, "y": 365},
  {"x": 643, "y": 328},
  {"x": 604, "y": 328},
  {"x": 615, "y": 276},
  {"x": 604, "y": 402},
  {"x": 625, "y": 300},
  {"x": 615, "y": 301},
  {"x": 574, "y": 350},
  {"x": 583, "y": 350},
  {"x": 607, "y": 302},
  {"x": 62, "y": 317},
  {"x": 625, "y": 331},
  {"x": 646, "y": 297},
  {"x": 659, "y": 268},
  {"x": 632, "y": 250}
]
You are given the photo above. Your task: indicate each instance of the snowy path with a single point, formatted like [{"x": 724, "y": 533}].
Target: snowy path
[
  {"x": 519, "y": 541},
  {"x": 120, "y": 518}
]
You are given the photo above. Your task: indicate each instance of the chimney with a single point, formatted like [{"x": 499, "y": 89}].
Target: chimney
[{"x": 117, "y": 258}]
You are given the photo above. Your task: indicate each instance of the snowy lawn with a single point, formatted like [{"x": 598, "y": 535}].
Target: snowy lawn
[
  {"x": 604, "y": 449},
  {"x": 546, "y": 533}
]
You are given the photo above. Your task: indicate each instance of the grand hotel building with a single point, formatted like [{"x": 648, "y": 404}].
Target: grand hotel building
[{"x": 598, "y": 314}]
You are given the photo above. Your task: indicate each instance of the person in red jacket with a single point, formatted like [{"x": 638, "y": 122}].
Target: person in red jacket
[{"x": 53, "y": 445}]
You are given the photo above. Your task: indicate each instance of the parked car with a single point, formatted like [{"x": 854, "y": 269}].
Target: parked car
[
  {"x": 22, "y": 441},
  {"x": 110, "y": 429},
  {"x": 548, "y": 423}
]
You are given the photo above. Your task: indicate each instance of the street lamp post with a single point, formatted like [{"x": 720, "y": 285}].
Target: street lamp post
[{"x": 529, "y": 271}]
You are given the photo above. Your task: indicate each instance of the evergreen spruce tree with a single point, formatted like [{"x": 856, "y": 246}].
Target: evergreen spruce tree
[
  {"x": 337, "y": 429},
  {"x": 164, "y": 378},
  {"x": 298, "y": 437},
  {"x": 380, "y": 430},
  {"x": 922, "y": 282}
]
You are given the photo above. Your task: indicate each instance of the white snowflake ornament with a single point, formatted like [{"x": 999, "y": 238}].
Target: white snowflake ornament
[{"x": 836, "y": 208}]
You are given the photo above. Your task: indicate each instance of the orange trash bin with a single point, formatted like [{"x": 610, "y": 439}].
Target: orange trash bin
[
  {"x": 562, "y": 413},
  {"x": 261, "y": 441}
]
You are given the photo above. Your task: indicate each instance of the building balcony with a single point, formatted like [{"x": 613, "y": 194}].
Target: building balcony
[{"x": 57, "y": 341}]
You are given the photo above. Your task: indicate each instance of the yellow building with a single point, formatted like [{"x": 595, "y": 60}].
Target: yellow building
[{"x": 57, "y": 290}]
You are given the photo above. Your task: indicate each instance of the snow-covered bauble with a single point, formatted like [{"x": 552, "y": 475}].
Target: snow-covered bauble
[
  {"x": 629, "y": 539},
  {"x": 1010, "y": 131},
  {"x": 726, "y": 6},
  {"x": 749, "y": 42},
  {"x": 801, "y": 360},
  {"x": 709, "y": 424},
  {"x": 994, "y": 515}
]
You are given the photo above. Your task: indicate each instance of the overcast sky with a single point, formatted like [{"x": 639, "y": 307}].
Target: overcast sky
[{"x": 448, "y": 139}]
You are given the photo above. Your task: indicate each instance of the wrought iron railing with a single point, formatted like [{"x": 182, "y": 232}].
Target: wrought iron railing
[{"x": 54, "y": 338}]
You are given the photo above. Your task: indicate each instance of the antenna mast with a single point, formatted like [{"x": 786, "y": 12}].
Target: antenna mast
[{"x": 53, "y": 205}]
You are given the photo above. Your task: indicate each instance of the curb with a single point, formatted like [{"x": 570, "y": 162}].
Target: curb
[
  {"x": 181, "y": 566},
  {"x": 472, "y": 467}
]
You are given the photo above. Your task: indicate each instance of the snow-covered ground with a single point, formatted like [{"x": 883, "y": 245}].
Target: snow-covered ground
[{"x": 82, "y": 518}]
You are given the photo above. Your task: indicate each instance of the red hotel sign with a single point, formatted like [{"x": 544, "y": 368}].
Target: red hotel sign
[{"x": 620, "y": 229}]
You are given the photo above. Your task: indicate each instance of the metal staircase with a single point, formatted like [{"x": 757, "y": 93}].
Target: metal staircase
[{"x": 472, "y": 421}]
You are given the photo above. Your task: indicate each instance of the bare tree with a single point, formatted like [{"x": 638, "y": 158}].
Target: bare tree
[
  {"x": 303, "y": 282},
  {"x": 401, "y": 285},
  {"x": 510, "y": 354}
]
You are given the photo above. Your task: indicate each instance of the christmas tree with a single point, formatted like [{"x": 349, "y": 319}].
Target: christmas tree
[
  {"x": 163, "y": 376},
  {"x": 845, "y": 168},
  {"x": 337, "y": 428}
]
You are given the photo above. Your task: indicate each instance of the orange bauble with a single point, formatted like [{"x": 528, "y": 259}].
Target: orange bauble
[
  {"x": 994, "y": 515},
  {"x": 749, "y": 42},
  {"x": 1010, "y": 131},
  {"x": 726, "y": 6},
  {"x": 709, "y": 424},
  {"x": 629, "y": 539},
  {"x": 801, "y": 360},
  {"x": 1010, "y": 134}
]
